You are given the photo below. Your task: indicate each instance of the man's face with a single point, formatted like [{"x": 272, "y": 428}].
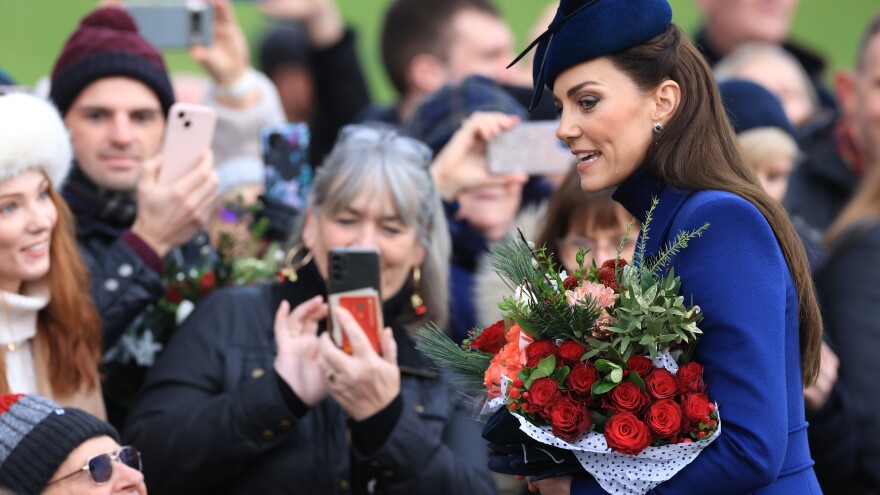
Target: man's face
[
  {"x": 115, "y": 124},
  {"x": 733, "y": 22},
  {"x": 866, "y": 110},
  {"x": 481, "y": 44}
]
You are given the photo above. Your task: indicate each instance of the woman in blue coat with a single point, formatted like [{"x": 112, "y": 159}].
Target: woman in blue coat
[{"x": 641, "y": 112}]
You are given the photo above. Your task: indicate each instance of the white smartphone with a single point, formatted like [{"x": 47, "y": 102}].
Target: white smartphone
[
  {"x": 174, "y": 26},
  {"x": 531, "y": 147},
  {"x": 188, "y": 134}
]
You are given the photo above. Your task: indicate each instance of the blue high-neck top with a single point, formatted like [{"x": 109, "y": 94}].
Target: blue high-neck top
[{"x": 737, "y": 274}]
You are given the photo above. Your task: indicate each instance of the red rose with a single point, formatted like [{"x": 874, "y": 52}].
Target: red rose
[
  {"x": 661, "y": 384},
  {"x": 570, "y": 283},
  {"x": 628, "y": 397},
  {"x": 207, "y": 283},
  {"x": 569, "y": 418},
  {"x": 640, "y": 364},
  {"x": 491, "y": 339},
  {"x": 538, "y": 350},
  {"x": 626, "y": 434},
  {"x": 571, "y": 351},
  {"x": 690, "y": 378},
  {"x": 173, "y": 295},
  {"x": 581, "y": 377},
  {"x": 542, "y": 393},
  {"x": 696, "y": 408},
  {"x": 664, "y": 418}
]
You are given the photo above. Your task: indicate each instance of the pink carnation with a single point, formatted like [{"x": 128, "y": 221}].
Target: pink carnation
[{"x": 603, "y": 296}]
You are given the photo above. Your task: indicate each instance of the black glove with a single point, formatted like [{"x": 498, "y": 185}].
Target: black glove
[{"x": 514, "y": 452}]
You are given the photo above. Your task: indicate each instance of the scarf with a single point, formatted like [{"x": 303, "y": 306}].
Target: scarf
[{"x": 88, "y": 200}]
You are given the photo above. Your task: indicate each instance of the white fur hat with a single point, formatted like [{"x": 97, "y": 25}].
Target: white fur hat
[{"x": 33, "y": 136}]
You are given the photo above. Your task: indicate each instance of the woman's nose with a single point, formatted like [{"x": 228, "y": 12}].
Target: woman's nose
[{"x": 567, "y": 128}]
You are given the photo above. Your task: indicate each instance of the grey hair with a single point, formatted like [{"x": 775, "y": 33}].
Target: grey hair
[
  {"x": 380, "y": 161},
  {"x": 729, "y": 66}
]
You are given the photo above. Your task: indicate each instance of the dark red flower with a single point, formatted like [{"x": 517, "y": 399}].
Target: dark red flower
[
  {"x": 581, "y": 378},
  {"x": 690, "y": 378},
  {"x": 538, "y": 350},
  {"x": 626, "y": 434},
  {"x": 640, "y": 364},
  {"x": 696, "y": 408},
  {"x": 569, "y": 418},
  {"x": 628, "y": 397},
  {"x": 571, "y": 352},
  {"x": 491, "y": 339},
  {"x": 664, "y": 418},
  {"x": 173, "y": 295},
  {"x": 542, "y": 394},
  {"x": 661, "y": 384},
  {"x": 206, "y": 284},
  {"x": 570, "y": 283}
]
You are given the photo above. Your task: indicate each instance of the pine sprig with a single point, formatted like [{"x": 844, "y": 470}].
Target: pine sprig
[
  {"x": 470, "y": 365},
  {"x": 663, "y": 258}
]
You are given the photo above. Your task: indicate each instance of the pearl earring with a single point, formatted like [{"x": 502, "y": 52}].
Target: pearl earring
[{"x": 658, "y": 127}]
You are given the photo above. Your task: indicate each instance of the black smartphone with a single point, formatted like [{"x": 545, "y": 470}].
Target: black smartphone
[
  {"x": 355, "y": 285},
  {"x": 288, "y": 171}
]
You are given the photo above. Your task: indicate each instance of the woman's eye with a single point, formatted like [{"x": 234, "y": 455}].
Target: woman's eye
[
  {"x": 44, "y": 194},
  {"x": 7, "y": 208},
  {"x": 392, "y": 229},
  {"x": 588, "y": 102}
]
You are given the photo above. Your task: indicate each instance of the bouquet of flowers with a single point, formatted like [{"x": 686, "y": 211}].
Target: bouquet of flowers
[{"x": 598, "y": 362}]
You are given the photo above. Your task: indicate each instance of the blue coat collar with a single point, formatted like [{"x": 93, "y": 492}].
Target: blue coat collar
[{"x": 635, "y": 195}]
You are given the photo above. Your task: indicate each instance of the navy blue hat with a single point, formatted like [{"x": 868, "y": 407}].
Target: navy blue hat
[
  {"x": 749, "y": 106},
  {"x": 285, "y": 44},
  {"x": 440, "y": 114},
  {"x": 586, "y": 29}
]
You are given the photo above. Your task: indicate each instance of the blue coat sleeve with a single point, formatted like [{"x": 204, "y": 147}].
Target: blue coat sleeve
[{"x": 738, "y": 276}]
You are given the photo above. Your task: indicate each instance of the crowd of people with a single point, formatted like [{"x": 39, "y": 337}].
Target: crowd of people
[{"x": 247, "y": 393}]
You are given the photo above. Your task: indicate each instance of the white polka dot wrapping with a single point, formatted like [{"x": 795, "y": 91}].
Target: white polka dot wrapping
[{"x": 620, "y": 473}]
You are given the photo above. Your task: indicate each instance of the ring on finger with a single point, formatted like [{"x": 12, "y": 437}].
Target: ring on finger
[{"x": 331, "y": 375}]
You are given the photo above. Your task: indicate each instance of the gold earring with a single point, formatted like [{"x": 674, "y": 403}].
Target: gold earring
[
  {"x": 418, "y": 304},
  {"x": 291, "y": 267}
]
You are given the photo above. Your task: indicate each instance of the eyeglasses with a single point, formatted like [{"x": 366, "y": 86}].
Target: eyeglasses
[
  {"x": 100, "y": 467},
  {"x": 379, "y": 133}
]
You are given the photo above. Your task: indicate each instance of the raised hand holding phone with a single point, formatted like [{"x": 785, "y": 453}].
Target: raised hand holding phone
[
  {"x": 188, "y": 134},
  {"x": 364, "y": 382}
]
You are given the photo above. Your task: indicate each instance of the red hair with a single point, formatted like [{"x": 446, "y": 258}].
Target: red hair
[{"x": 69, "y": 325}]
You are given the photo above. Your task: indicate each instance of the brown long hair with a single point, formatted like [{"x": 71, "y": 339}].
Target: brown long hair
[
  {"x": 69, "y": 324},
  {"x": 698, "y": 150},
  {"x": 865, "y": 206}
]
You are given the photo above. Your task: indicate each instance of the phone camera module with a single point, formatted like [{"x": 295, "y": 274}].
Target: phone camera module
[{"x": 186, "y": 124}]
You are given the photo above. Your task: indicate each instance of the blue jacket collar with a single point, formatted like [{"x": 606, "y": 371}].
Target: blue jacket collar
[{"x": 635, "y": 194}]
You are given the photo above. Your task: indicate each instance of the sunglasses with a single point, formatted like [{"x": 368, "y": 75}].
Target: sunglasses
[{"x": 100, "y": 467}]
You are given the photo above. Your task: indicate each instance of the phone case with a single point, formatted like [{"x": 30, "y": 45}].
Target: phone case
[
  {"x": 286, "y": 155},
  {"x": 355, "y": 285},
  {"x": 188, "y": 134},
  {"x": 174, "y": 26},
  {"x": 530, "y": 147},
  {"x": 366, "y": 308}
]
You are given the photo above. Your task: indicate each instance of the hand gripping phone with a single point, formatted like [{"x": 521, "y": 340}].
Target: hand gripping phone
[
  {"x": 188, "y": 134},
  {"x": 355, "y": 285}
]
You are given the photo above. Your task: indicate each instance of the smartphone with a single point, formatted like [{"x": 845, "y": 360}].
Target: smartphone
[
  {"x": 288, "y": 171},
  {"x": 355, "y": 285},
  {"x": 531, "y": 147},
  {"x": 174, "y": 26},
  {"x": 188, "y": 134}
]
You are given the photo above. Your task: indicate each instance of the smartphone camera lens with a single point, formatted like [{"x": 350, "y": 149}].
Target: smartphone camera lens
[
  {"x": 276, "y": 140},
  {"x": 180, "y": 115},
  {"x": 186, "y": 124}
]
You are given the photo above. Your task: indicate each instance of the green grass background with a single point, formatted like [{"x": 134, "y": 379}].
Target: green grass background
[{"x": 33, "y": 31}]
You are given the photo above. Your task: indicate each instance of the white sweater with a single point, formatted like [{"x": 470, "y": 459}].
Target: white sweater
[{"x": 18, "y": 327}]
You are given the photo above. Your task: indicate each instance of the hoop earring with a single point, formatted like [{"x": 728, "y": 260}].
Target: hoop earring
[
  {"x": 290, "y": 266},
  {"x": 418, "y": 304},
  {"x": 658, "y": 127}
]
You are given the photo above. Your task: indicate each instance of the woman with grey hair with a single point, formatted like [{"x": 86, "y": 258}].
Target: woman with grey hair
[{"x": 253, "y": 397}]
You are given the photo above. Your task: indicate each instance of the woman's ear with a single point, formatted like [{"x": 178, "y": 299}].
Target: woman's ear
[
  {"x": 667, "y": 97},
  {"x": 310, "y": 230}
]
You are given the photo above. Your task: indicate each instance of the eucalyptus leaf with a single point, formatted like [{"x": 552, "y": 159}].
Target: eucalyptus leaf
[
  {"x": 600, "y": 388},
  {"x": 616, "y": 375}
]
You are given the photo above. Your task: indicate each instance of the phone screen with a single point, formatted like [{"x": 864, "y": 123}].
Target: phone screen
[{"x": 289, "y": 174}]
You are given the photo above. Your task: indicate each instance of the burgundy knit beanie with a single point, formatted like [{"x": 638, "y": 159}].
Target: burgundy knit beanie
[{"x": 106, "y": 44}]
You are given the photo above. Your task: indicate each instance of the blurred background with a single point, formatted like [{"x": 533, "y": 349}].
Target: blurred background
[{"x": 32, "y": 31}]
